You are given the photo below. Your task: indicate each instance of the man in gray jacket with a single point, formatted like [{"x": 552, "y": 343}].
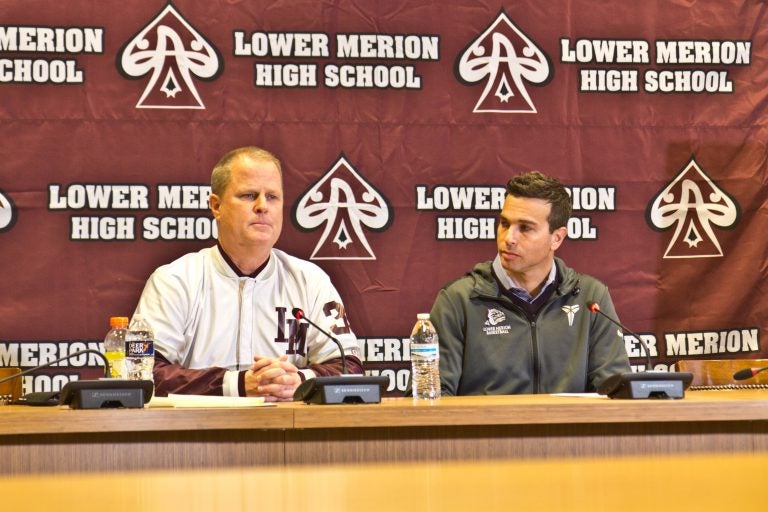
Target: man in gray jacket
[{"x": 520, "y": 324}]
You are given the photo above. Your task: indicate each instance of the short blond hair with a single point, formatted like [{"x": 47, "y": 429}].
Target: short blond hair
[{"x": 222, "y": 171}]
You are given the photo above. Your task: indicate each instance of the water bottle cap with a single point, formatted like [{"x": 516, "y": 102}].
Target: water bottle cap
[
  {"x": 423, "y": 316},
  {"x": 118, "y": 321}
]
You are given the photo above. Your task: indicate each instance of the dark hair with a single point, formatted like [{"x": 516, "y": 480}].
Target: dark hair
[
  {"x": 536, "y": 185},
  {"x": 222, "y": 171}
]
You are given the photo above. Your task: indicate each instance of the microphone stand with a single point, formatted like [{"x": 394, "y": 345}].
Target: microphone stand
[
  {"x": 343, "y": 389},
  {"x": 647, "y": 384},
  {"x": 104, "y": 361},
  {"x": 91, "y": 394}
]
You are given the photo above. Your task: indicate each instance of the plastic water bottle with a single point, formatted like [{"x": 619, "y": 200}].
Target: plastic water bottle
[
  {"x": 139, "y": 350},
  {"x": 114, "y": 346},
  {"x": 425, "y": 359}
]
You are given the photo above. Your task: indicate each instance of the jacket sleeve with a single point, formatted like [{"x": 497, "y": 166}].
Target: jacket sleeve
[
  {"x": 174, "y": 378},
  {"x": 607, "y": 353},
  {"x": 333, "y": 366},
  {"x": 448, "y": 317}
]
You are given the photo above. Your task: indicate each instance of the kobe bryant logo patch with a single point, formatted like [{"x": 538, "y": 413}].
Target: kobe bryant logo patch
[
  {"x": 694, "y": 206},
  {"x": 570, "y": 312},
  {"x": 7, "y": 212},
  {"x": 172, "y": 53},
  {"x": 506, "y": 60},
  {"x": 344, "y": 203}
]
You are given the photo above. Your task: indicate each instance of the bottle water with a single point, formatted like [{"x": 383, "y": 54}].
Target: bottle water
[
  {"x": 114, "y": 346},
  {"x": 139, "y": 350},
  {"x": 425, "y": 359}
]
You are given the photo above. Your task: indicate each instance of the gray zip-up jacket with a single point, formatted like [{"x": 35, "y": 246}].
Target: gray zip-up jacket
[{"x": 488, "y": 346}]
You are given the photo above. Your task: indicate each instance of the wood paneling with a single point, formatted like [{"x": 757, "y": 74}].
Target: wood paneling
[
  {"x": 125, "y": 451},
  {"x": 489, "y": 442},
  {"x": 61, "y": 440},
  {"x": 719, "y": 372}
]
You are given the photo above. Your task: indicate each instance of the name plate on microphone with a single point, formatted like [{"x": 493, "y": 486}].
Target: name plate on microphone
[{"x": 349, "y": 389}]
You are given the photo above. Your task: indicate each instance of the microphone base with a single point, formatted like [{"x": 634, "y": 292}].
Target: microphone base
[
  {"x": 107, "y": 394},
  {"x": 646, "y": 385},
  {"x": 348, "y": 389}
]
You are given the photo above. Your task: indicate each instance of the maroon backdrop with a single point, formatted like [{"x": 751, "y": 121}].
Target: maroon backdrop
[{"x": 396, "y": 124}]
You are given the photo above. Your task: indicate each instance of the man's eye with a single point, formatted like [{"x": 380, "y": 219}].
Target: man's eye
[{"x": 250, "y": 196}]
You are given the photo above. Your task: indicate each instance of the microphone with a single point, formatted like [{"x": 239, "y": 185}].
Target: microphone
[
  {"x": 647, "y": 384},
  {"x": 298, "y": 314},
  {"x": 594, "y": 307},
  {"x": 73, "y": 354},
  {"x": 344, "y": 389},
  {"x": 748, "y": 373},
  {"x": 90, "y": 394}
]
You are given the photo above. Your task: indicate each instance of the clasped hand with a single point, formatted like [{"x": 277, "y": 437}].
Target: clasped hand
[{"x": 273, "y": 378}]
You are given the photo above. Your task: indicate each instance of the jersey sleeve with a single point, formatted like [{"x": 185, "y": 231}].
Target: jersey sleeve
[
  {"x": 328, "y": 312},
  {"x": 173, "y": 378}
]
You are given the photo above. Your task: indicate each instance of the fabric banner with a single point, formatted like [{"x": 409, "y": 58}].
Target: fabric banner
[{"x": 398, "y": 125}]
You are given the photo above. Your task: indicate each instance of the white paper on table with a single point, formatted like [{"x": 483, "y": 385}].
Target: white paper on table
[
  {"x": 581, "y": 395},
  {"x": 205, "y": 401}
]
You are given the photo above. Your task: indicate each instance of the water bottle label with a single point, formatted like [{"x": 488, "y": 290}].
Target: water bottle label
[
  {"x": 139, "y": 349},
  {"x": 425, "y": 352}
]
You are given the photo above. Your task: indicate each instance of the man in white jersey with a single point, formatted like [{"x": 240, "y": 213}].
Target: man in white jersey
[{"x": 222, "y": 316}]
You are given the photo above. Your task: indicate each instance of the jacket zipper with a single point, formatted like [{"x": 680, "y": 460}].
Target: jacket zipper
[
  {"x": 241, "y": 285},
  {"x": 534, "y": 342},
  {"x": 575, "y": 290},
  {"x": 535, "y": 357}
]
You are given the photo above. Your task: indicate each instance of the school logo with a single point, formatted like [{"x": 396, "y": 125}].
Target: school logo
[
  {"x": 694, "y": 205},
  {"x": 173, "y": 54},
  {"x": 492, "y": 325},
  {"x": 570, "y": 311},
  {"x": 7, "y": 212},
  {"x": 344, "y": 203},
  {"x": 506, "y": 60},
  {"x": 495, "y": 316}
]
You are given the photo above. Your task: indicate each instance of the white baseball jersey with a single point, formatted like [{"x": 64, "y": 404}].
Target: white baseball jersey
[{"x": 205, "y": 315}]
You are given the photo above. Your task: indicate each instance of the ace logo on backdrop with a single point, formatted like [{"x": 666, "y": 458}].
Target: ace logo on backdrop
[
  {"x": 173, "y": 53},
  {"x": 694, "y": 205},
  {"x": 506, "y": 59},
  {"x": 344, "y": 202},
  {"x": 7, "y": 212}
]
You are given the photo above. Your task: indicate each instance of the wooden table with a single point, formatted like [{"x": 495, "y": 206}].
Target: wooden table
[
  {"x": 628, "y": 484},
  {"x": 60, "y": 440}
]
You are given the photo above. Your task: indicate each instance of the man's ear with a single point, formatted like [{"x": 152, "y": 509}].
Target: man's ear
[
  {"x": 214, "y": 202},
  {"x": 558, "y": 236}
]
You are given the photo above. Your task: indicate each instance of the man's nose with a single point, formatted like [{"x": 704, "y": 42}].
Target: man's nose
[
  {"x": 510, "y": 237},
  {"x": 260, "y": 203}
]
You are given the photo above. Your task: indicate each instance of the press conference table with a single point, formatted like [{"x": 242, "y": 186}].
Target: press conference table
[{"x": 471, "y": 430}]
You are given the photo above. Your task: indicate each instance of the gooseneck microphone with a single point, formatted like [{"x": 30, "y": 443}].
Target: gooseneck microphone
[
  {"x": 91, "y": 394},
  {"x": 298, "y": 314},
  {"x": 647, "y": 384},
  {"x": 748, "y": 373},
  {"x": 594, "y": 307},
  {"x": 343, "y": 389},
  {"x": 73, "y": 354}
]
